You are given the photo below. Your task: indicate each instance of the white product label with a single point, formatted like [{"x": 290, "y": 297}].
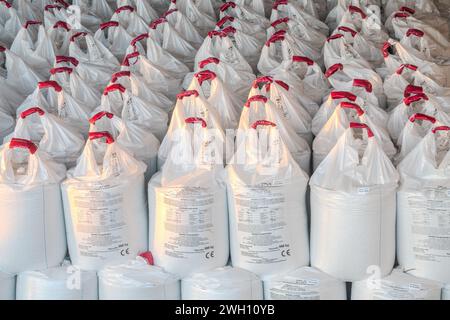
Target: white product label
[
  {"x": 298, "y": 289},
  {"x": 188, "y": 225},
  {"x": 363, "y": 190},
  {"x": 262, "y": 227},
  {"x": 391, "y": 291},
  {"x": 430, "y": 218},
  {"x": 98, "y": 218}
]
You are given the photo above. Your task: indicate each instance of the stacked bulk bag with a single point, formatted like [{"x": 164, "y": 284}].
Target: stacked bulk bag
[
  {"x": 114, "y": 37},
  {"x": 259, "y": 107},
  {"x": 61, "y": 142},
  {"x": 397, "y": 286},
  {"x": 30, "y": 209},
  {"x": 7, "y": 124},
  {"x": 304, "y": 284},
  {"x": 10, "y": 23},
  {"x": 187, "y": 202},
  {"x": 225, "y": 283},
  {"x": 137, "y": 280},
  {"x": 105, "y": 205},
  {"x": 423, "y": 207},
  {"x": 7, "y": 286},
  {"x": 353, "y": 207},
  {"x": 65, "y": 282},
  {"x": 141, "y": 143},
  {"x": 266, "y": 200}
]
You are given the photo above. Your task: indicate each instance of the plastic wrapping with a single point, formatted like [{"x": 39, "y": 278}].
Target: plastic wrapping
[{"x": 7, "y": 286}]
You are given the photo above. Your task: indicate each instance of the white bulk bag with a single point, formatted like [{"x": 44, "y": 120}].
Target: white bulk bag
[
  {"x": 66, "y": 282},
  {"x": 27, "y": 10},
  {"x": 339, "y": 122},
  {"x": 222, "y": 284},
  {"x": 338, "y": 49},
  {"x": 342, "y": 76},
  {"x": 7, "y": 286},
  {"x": 114, "y": 37},
  {"x": 134, "y": 110},
  {"x": 397, "y": 286},
  {"x": 187, "y": 203},
  {"x": 283, "y": 97},
  {"x": 239, "y": 81},
  {"x": 266, "y": 198},
  {"x": 141, "y": 143},
  {"x": 243, "y": 12},
  {"x": 10, "y": 23},
  {"x": 305, "y": 75},
  {"x": 111, "y": 191},
  {"x": 423, "y": 201},
  {"x": 190, "y": 104},
  {"x": 355, "y": 227},
  {"x": 184, "y": 26},
  {"x": 143, "y": 8},
  {"x": 219, "y": 96},
  {"x": 60, "y": 34},
  {"x": 200, "y": 13},
  {"x": 412, "y": 133},
  {"x": 250, "y": 28},
  {"x": 419, "y": 6},
  {"x": 137, "y": 280},
  {"x": 7, "y": 124},
  {"x": 305, "y": 283},
  {"x": 355, "y": 96},
  {"x": 32, "y": 230},
  {"x": 418, "y": 103},
  {"x": 130, "y": 20},
  {"x": 63, "y": 144},
  {"x": 259, "y": 107},
  {"x": 36, "y": 49},
  {"x": 136, "y": 84},
  {"x": 434, "y": 47}
]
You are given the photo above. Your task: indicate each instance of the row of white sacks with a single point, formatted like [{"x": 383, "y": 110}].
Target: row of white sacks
[{"x": 138, "y": 280}]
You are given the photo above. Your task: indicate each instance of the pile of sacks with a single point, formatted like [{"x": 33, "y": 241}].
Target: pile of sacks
[{"x": 224, "y": 150}]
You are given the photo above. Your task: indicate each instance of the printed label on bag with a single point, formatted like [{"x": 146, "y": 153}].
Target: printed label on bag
[
  {"x": 363, "y": 190},
  {"x": 262, "y": 228},
  {"x": 296, "y": 289},
  {"x": 97, "y": 213},
  {"x": 188, "y": 224},
  {"x": 391, "y": 291}
]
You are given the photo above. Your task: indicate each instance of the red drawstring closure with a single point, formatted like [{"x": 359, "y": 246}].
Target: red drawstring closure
[
  {"x": 50, "y": 84},
  {"x": 420, "y": 96},
  {"x": 54, "y": 71},
  {"x": 126, "y": 60},
  {"x": 30, "y": 23},
  {"x": 363, "y": 84},
  {"x": 354, "y": 9},
  {"x": 385, "y": 49},
  {"x": 275, "y": 38},
  {"x": 154, "y": 24},
  {"x": 205, "y": 75},
  {"x": 50, "y": 6},
  {"x": 415, "y": 32},
  {"x": 333, "y": 69},
  {"x": 24, "y": 144},
  {"x": 114, "y": 87},
  {"x": 139, "y": 38},
  {"x": 335, "y": 95},
  {"x": 258, "y": 98},
  {"x": 264, "y": 79},
  {"x": 279, "y": 3},
  {"x": 347, "y": 29},
  {"x": 169, "y": 12},
  {"x": 207, "y": 61},
  {"x": 6, "y": 3},
  {"x": 335, "y": 36},
  {"x": 216, "y": 33},
  {"x": 100, "y": 115},
  {"x": 354, "y": 106},
  {"x": 279, "y": 21},
  {"x": 401, "y": 15},
  {"x": 124, "y": 8},
  {"x": 263, "y": 123},
  {"x": 63, "y": 3},
  {"x": 229, "y": 30},
  {"x": 109, "y": 24},
  {"x": 306, "y": 60},
  {"x": 62, "y": 24},
  {"x": 423, "y": 117},
  {"x": 148, "y": 257},
  {"x": 2, "y": 49},
  {"x": 224, "y": 20},
  {"x": 227, "y": 5},
  {"x": 355, "y": 125},
  {"x": 77, "y": 35},
  {"x": 186, "y": 94},
  {"x": 25, "y": 114},
  {"x": 102, "y": 134},
  {"x": 279, "y": 33},
  {"x": 411, "y": 89},
  {"x": 406, "y": 65},
  {"x": 120, "y": 74},
  {"x": 196, "y": 120},
  {"x": 407, "y": 10},
  {"x": 440, "y": 128},
  {"x": 71, "y": 60}
]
